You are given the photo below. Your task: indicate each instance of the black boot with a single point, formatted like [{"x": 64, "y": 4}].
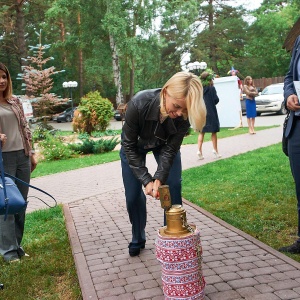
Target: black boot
[
  {"x": 293, "y": 249},
  {"x": 135, "y": 249}
]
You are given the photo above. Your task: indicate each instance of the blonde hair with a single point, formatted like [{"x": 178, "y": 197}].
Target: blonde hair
[
  {"x": 188, "y": 86},
  {"x": 7, "y": 94}
]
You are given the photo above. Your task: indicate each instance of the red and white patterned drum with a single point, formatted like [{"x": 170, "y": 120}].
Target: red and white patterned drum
[{"x": 181, "y": 259}]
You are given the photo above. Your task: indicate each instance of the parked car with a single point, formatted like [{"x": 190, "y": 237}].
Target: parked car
[
  {"x": 118, "y": 116},
  {"x": 271, "y": 100},
  {"x": 65, "y": 116}
]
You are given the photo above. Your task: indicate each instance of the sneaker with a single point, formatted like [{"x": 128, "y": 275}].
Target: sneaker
[
  {"x": 216, "y": 154},
  {"x": 14, "y": 260},
  {"x": 200, "y": 155},
  {"x": 293, "y": 249}
]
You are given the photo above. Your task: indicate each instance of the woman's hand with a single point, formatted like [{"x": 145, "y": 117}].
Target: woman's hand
[
  {"x": 3, "y": 139},
  {"x": 33, "y": 162},
  {"x": 152, "y": 188}
]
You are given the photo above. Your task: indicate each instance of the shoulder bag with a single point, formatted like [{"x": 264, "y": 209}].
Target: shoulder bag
[{"x": 11, "y": 200}]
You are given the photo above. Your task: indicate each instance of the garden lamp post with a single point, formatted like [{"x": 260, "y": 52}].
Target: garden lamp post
[
  {"x": 69, "y": 85},
  {"x": 195, "y": 67},
  {"x": 203, "y": 65}
]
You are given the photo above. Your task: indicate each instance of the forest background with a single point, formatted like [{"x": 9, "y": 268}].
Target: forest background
[{"x": 122, "y": 46}]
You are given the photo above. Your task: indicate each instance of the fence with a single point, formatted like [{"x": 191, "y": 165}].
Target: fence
[{"x": 263, "y": 82}]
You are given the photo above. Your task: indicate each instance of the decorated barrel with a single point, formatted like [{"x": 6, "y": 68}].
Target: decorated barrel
[
  {"x": 178, "y": 249},
  {"x": 181, "y": 262}
]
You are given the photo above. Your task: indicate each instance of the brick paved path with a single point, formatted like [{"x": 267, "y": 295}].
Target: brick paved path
[{"x": 235, "y": 265}]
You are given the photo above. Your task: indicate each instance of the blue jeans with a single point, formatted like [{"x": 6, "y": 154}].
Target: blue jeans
[
  {"x": 16, "y": 163},
  {"x": 136, "y": 199},
  {"x": 294, "y": 157}
]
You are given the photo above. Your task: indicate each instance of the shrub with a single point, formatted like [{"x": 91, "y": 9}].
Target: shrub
[
  {"x": 93, "y": 113},
  {"x": 42, "y": 130},
  {"x": 53, "y": 149},
  {"x": 89, "y": 146},
  {"x": 103, "y": 145},
  {"x": 86, "y": 147}
]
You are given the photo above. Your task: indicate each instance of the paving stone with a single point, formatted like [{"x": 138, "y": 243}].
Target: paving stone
[{"x": 287, "y": 294}]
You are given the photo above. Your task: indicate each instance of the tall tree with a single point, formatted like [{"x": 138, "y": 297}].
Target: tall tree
[
  {"x": 265, "y": 55},
  {"x": 221, "y": 36}
]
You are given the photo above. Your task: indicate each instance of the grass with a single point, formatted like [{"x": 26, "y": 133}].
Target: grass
[
  {"x": 254, "y": 192},
  {"x": 52, "y": 167},
  {"x": 49, "y": 273}
]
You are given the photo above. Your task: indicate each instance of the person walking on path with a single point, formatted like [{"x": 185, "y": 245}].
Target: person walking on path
[
  {"x": 293, "y": 132},
  {"x": 212, "y": 124},
  {"x": 18, "y": 160},
  {"x": 156, "y": 121},
  {"x": 250, "y": 91}
]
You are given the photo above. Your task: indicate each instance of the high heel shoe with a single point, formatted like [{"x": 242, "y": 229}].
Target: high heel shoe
[
  {"x": 217, "y": 155},
  {"x": 200, "y": 155}
]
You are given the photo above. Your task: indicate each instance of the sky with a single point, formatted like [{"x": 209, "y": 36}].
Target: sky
[{"x": 249, "y": 4}]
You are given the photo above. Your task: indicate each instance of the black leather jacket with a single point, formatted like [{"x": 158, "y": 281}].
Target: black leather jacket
[{"x": 142, "y": 132}]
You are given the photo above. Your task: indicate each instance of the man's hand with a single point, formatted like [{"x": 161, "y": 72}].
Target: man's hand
[{"x": 292, "y": 103}]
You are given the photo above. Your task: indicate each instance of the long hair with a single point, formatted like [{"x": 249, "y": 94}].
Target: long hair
[
  {"x": 247, "y": 81},
  {"x": 188, "y": 86},
  {"x": 7, "y": 94}
]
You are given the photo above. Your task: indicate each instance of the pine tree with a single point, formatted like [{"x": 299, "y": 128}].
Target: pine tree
[{"x": 38, "y": 80}]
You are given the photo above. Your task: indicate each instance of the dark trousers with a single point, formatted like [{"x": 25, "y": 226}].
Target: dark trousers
[
  {"x": 294, "y": 157},
  {"x": 15, "y": 163},
  {"x": 136, "y": 199}
]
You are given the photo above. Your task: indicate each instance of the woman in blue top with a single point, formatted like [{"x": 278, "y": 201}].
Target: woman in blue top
[{"x": 250, "y": 91}]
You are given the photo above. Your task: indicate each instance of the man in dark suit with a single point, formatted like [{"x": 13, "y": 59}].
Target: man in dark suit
[{"x": 293, "y": 132}]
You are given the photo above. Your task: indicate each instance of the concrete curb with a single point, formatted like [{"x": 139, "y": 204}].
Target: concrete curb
[{"x": 85, "y": 281}]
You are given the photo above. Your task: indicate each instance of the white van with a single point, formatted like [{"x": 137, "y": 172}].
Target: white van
[{"x": 27, "y": 107}]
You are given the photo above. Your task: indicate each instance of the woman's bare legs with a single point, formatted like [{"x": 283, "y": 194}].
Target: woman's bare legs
[
  {"x": 249, "y": 125},
  {"x": 251, "y": 122},
  {"x": 214, "y": 140},
  {"x": 200, "y": 143}
]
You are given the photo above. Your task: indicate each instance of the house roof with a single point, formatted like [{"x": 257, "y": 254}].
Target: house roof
[{"x": 291, "y": 37}]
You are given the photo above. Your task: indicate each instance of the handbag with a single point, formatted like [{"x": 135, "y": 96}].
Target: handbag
[
  {"x": 11, "y": 200},
  {"x": 284, "y": 142}
]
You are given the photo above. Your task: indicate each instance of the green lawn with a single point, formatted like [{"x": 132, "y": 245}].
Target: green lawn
[{"x": 254, "y": 192}]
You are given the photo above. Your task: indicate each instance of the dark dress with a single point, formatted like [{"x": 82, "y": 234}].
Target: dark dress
[{"x": 211, "y": 99}]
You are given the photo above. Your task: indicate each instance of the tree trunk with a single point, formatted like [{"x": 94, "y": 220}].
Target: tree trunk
[
  {"x": 80, "y": 60},
  {"x": 212, "y": 45},
  {"x": 20, "y": 25},
  {"x": 131, "y": 91},
  {"x": 116, "y": 70}
]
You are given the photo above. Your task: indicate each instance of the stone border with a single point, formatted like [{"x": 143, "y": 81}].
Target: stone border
[{"x": 85, "y": 281}]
